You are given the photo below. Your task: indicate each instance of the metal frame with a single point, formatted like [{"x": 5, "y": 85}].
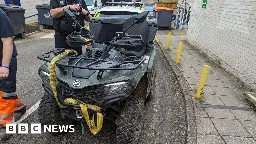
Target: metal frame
[{"x": 136, "y": 63}]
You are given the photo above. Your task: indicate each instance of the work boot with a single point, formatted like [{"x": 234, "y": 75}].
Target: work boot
[
  {"x": 19, "y": 113},
  {"x": 19, "y": 109},
  {"x": 3, "y": 135}
]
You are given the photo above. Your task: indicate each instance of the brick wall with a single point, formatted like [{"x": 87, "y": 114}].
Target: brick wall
[{"x": 226, "y": 31}]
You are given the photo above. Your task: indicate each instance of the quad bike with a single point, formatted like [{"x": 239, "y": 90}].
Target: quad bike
[{"x": 111, "y": 80}]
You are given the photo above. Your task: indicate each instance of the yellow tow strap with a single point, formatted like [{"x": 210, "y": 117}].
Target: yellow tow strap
[
  {"x": 97, "y": 15},
  {"x": 94, "y": 127}
]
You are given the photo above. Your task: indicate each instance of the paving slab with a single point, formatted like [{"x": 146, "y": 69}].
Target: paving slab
[
  {"x": 193, "y": 81},
  {"x": 220, "y": 114},
  {"x": 250, "y": 126},
  {"x": 208, "y": 90},
  {"x": 227, "y": 127},
  {"x": 195, "y": 53},
  {"x": 211, "y": 99},
  {"x": 238, "y": 140},
  {"x": 201, "y": 113},
  {"x": 223, "y": 91},
  {"x": 245, "y": 115},
  {"x": 189, "y": 71},
  {"x": 205, "y": 126},
  {"x": 198, "y": 68},
  {"x": 209, "y": 139},
  {"x": 213, "y": 80},
  {"x": 219, "y": 83},
  {"x": 223, "y": 75},
  {"x": 187, "y": 55},
  {"x": 231, "y": 101}
]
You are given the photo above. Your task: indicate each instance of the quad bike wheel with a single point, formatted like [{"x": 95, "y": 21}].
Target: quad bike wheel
[
  {"x": 49, "y": 112},
  {"x": 151, "y": 79},
  {"x": 129, "y": 123}
]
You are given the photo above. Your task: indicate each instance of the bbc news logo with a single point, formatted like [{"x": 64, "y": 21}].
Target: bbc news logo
[{"x": 37, "y": 128}]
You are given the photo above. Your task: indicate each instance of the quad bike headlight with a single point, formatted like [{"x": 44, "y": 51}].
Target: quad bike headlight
[
  {"x": 117, "y": 89},
  {"x": 115, "y": 86},
  {"x": 115, "y": 92}
]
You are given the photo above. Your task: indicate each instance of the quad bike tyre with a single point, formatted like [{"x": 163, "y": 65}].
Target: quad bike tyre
[
  {"x": 129, "y": 123},
  {"x": 49, "y": 112},
  {"x": 151, "y": 81}
]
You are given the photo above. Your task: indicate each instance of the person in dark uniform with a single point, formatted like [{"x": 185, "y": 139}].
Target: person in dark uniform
[
  {"x": 64, "y": 26},
  {"x": 9, "y": 101}
]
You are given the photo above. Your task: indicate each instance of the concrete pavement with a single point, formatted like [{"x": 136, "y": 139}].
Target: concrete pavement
[{"x": 222, "y": 115}]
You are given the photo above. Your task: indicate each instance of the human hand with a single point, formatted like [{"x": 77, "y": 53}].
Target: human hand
[
  {"x": 85, "y": 12},
  {"x": 74, "y": 7},
  {"x": 4, "y": 73}
]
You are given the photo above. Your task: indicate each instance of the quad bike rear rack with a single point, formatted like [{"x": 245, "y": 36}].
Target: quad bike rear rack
[{"x": 96, "y": 64}]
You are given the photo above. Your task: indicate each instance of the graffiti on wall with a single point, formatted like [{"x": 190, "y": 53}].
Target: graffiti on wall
[{"x": 183, "y": 15}]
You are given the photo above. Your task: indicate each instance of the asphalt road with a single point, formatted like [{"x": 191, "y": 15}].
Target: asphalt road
[{"x": 164, "y": 119}]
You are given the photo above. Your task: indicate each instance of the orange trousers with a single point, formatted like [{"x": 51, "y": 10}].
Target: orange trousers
[{"x": 7, "y": 109}]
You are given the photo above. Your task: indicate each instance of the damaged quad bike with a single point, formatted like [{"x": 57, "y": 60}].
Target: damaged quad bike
[{"x": 111, "y": 80}]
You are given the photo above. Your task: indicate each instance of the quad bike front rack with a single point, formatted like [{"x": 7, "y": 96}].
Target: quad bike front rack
[{"x": 96, "y": 64}]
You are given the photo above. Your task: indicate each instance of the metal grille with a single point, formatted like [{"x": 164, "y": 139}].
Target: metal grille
[
  {"x": 89, "y": 53},
  {"x": 98, "y": 54},
  {"x": 94, "y": 54},
  {"x": 90, "y": 95}
]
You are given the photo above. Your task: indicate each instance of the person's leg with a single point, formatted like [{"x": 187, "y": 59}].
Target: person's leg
[
  {"x": 6, "y": 110},
  {"x": 19, "y": 106},
  {"x": 60, "y": 41},
  {"x": 9, "y": 101}
]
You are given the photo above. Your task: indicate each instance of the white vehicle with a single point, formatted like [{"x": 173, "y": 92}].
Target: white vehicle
[
  {"x": 93, "y": 5},
  {"x": 119, "y": 9}
]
